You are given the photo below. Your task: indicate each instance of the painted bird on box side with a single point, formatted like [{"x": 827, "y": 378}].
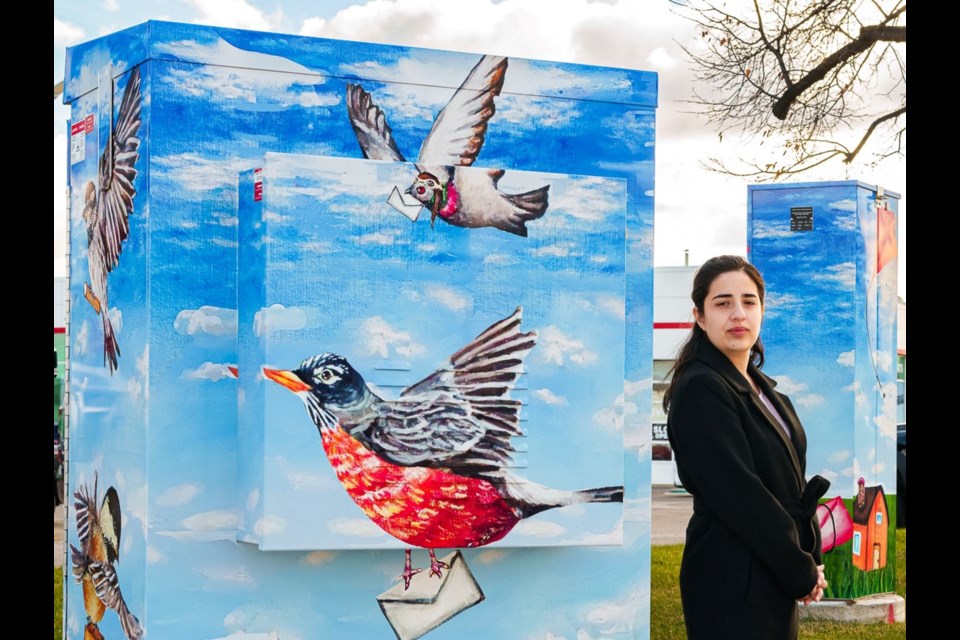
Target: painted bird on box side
[
  {"x": 458, "y": 196},
  {"x": 432, "y": 468},
  {"x": 98, "y": 530},
  {"x": 108, "y": 204}
]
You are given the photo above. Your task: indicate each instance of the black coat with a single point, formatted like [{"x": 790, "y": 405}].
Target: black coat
[{"x": 753, "y": 544}]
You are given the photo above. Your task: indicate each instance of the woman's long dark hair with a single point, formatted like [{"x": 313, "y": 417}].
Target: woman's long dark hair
[{"x": 706, "y": 274}]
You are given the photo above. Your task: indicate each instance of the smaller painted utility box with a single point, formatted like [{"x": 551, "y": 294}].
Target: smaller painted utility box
[{"x": 828, "y": 253}]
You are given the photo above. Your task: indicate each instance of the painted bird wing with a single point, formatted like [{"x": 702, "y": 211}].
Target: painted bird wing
[
  {"x": 107, "y": 586},
  {"x": 117, "y": 173},
  {"x": 460, "y": 416},
  {"x": 370, "y": 126},
  {"x": 459, "y": 130}
]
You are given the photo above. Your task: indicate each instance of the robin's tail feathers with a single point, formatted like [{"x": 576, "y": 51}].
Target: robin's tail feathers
[{"x": 532, "y": 498}]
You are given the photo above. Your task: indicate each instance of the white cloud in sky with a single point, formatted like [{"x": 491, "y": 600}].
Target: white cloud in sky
[
  {"x": 66, "y": 34},
  {"x": 355, "y": 527},
  {"x": 81, "y": 338},
  {"x": 555, "y": 346},
  {"x": 843, "y": 274},
  {"x": 589, "y": 198},
  {"x": 277, "y": 317},
  {"x": 236, "y": 574},
  {"x": 614, "y": 536},
  {"x": 617, "y": 616},
  {"x": 154, "y": 555},
  {"x": 539, "y": 529},
  {"x": 215, "y": 321},
  {"x": 615, "y": 305},
  {"x": 847, "y": 358},
  {"x": 449, "y": 297},
  {"x": 380, "y": 338},
  {"x": 178, "y": 495},
  {"x": 499, "y": 258},
  {"x": 239, "y": 14},
  {"x": 798, "y": 392},
  {"x": 839, "y": 456},
  {"x": 269, "y": 525},
  {"x": 253, "y": 499},
  {"x": 624, "y": 407},
  {"x": 210, "y": 521},
  {"x": 847, "y": 204},
  {"x": 213, "y": 371},
  {"x": 116, "y": 319},
  {"x": 549, "y": 396}
]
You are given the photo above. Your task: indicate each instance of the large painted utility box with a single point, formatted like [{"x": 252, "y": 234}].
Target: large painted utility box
[
  {"x": 828, "y": 253},
  {"x": 446, "y": 257}
]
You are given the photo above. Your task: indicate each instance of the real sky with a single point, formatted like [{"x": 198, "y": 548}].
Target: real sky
[{"x": 696, "y": 210}]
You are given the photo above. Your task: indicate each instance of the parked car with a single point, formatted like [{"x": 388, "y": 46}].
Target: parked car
[{"x": 902, "y": 474}]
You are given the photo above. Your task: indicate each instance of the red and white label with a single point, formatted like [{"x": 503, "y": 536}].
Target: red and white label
[
  {"x": 257, "y": 185},
  {"x": 78, "y": 139}
]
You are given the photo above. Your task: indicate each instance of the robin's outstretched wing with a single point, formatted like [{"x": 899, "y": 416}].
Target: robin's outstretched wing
[
  {"x": 370, "y": 126},
  {"x": 117, "y": 173},
  {"x": 458, "y": 132},
  {"x": 460, "y": 416}
]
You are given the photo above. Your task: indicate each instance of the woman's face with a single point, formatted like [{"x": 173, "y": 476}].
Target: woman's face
[{"x": 732, "y": 314}]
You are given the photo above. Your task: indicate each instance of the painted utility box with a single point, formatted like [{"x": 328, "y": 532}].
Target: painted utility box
[
  {"x": 828, "y": 252},
  {"x": 446, "y": 257}
]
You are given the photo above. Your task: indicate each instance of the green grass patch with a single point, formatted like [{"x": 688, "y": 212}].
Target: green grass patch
[
  {"x": 666, "y": 612},
  {"x": 57, "y": 603}
]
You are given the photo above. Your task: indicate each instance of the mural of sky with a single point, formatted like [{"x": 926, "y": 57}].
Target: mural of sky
[
  {"x": 162, "y": 429},
  {"x": 822, "y": 325}
]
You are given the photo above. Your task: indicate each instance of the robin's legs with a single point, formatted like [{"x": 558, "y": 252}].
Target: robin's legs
[
  {"x": 436, "y": 565},
  {"x": 408, "y": 573}
]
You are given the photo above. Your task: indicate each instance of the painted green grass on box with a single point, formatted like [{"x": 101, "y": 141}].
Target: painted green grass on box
[{"x": 846, "y": 580}]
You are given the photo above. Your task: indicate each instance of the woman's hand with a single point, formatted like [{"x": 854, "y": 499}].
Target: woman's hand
[{"x": 817, "y": 593}]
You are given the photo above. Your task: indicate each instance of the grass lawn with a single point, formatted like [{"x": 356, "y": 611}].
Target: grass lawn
[{"x": 666, "y": 614}]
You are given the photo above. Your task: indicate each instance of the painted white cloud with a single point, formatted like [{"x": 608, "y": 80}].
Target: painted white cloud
[
  {"x": 589, "y": 198},
  {"x": 269, "y": 525},
  {"x": 253, "y": 499},
  {"x": 381, "y": 238},
  {"x": 178, "y": 495},
  {"x": 539, "y": 529},
  {"x": 798, "y": 392},
  {"x": 887, "y": 420},
  {"x": 213, "y": 371},
  {"x": 838, "y": 456},
  {"x": 355, "y": 527},
  {"x": 193, "y": 171},
  {"x": 843, "y": 274},
  {"x": 615, "y": 305},
  {"x": 549, "y": 396},
  {"x": 380, "y": 338},
  {"x": 234, "y": 574},
  {"x": 154, "y": 555},
  {"x": 555, "y": 346},
  {"x": 499, "y": 258},
  {"x": 79, "y": 342},
  {"x": 215, "y": 321},
  {"x": 210, "y": 521},
  {"x": 559, "y": 250},
  {"x": 614, "y": 536},
  {"x": 617, "y": 616},
  {"x": 846, "y": 204},
  {"x": 277, "y": 317},
  {"x": 116, "y": 319},
  {"x": 847, "y": 358},
  {"x": 448, "y": 297}
]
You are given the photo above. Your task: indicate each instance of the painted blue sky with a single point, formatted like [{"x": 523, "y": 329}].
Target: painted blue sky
[{"x": 816, "y": 328}]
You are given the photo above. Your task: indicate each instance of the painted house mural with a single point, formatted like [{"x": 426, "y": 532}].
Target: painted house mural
[
  {"x": 454, "y": 276},
  {"x": 828, "y": 253},
  {"x": 870, "y": 528}
]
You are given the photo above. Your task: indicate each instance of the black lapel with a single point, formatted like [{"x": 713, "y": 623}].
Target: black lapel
[{"x": 711, "y": 356}]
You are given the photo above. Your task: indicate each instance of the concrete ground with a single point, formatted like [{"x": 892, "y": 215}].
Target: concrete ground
[{"x": 671, "y": 511}]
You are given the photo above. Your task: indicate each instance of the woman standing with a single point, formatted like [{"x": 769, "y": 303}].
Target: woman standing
[{"x": 753, "y": 544}]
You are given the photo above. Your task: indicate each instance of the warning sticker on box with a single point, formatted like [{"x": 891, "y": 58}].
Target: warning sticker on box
[
  {"x": 78, "y": 139},
  {"x": 257, "y": 185}
]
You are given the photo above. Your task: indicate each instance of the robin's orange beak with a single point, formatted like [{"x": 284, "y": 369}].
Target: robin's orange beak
[{"x": 287, "y": 379}]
